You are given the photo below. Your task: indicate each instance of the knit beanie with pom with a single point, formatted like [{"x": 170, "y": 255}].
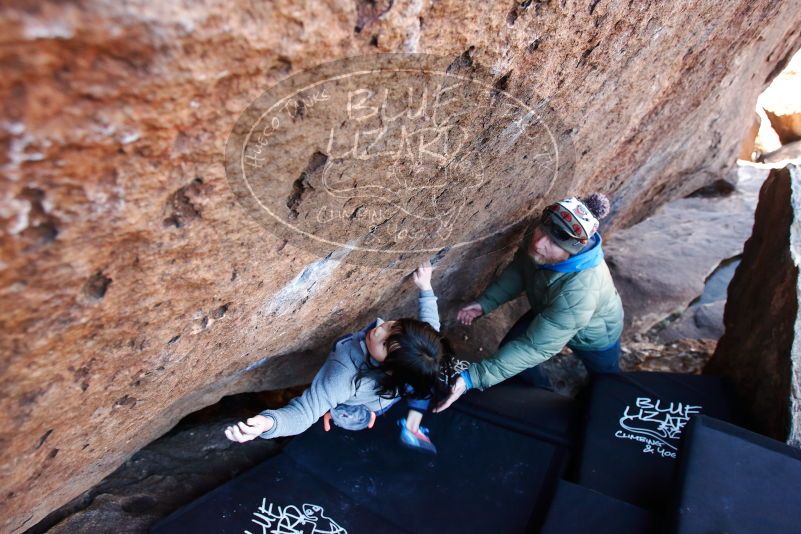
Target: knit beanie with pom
[{"x": 571, "y": 222}]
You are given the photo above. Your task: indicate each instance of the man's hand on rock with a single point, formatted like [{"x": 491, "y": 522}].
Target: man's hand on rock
[
  {"x": 247, "y": 430},
  {"x": 457, "y": 390},
  {"x": 470, "y": 313}
]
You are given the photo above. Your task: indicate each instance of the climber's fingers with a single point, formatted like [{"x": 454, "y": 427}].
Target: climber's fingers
[
  {"x": 256, "y": 425},
  {"x": 245, "y": 436},
  {"x": 445, "y": 405},
  {"x": 372, "y": 419},
  {"x": 236, "y": 434},
  {"x": 327, "y": 421},
  {"x": 456, "y": 391},
  {"x": 467, "y": 314},
  {"x": 247, "y": 430},
  {"x": 241, "y": 433}
]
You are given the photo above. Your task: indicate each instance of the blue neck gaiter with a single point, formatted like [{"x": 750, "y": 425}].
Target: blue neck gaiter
[{"x": 590, "y": 256}]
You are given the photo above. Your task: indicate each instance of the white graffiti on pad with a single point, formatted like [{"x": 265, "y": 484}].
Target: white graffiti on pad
[
  {"x": 308, "y": 519},
  {"x": 656, "y": 424}
]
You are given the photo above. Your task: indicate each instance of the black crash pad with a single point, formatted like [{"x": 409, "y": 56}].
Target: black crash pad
[
  {"x": 526, "y": 409},
  {"x": 490, "y": 475},
  {"x": 576, "y": 509},
  {"x": 735, "y": 481},
  {"x": 277, "y": 496},
  {"x": 632, "y": 430}
]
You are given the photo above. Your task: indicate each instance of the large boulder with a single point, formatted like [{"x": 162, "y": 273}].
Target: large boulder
[
  {"x": 661, "y": 265},
  {"x": 791, "y": 152},
  {"x": 749, "y": 143},
  {"x": 699, "y": 321},
  {"x": 135, "y": 287},
  {"x": 782, "y": 104},
  {"x": 760, "y": 351}
]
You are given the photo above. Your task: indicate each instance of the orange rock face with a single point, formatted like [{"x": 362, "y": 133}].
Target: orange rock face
[
  {"x": 782, "y": 103},
  {"x": 139, "y": 286}
]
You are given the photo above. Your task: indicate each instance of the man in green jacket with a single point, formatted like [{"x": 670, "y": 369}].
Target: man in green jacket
[{"x": 560, "y": 266}]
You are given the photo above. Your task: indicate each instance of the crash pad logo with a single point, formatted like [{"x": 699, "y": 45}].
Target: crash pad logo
[
  {"x": 308, "y": 519},
  {"x": 656, "y": 424},
  {"x": 394, "y": 157}
]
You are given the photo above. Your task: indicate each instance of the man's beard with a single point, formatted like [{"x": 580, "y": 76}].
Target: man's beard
[{"x": 541, "y": 260}]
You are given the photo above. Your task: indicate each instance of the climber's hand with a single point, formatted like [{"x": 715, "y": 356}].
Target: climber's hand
[
  {"x": 327, "y": 421},
  {"x": 469, "y": 313},
  {"x": 422, "y": 276},
  {"x": 247, "y": 430},
  {"x": 372, "y": 419},
  {"x": 457, "y": 390}
]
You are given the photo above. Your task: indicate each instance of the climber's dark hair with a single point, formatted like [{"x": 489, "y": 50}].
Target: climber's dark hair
[{"x": 417, "y": 356}]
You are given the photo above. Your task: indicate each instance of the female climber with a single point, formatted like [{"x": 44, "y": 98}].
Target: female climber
[{"x": 367, "y": 372}]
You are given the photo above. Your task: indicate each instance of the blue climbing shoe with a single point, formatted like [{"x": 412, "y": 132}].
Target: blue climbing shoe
[{"x": 418, "y": 441}]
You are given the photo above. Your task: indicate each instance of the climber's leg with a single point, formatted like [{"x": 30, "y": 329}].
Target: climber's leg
[
  {"x": 533, "y": 376},
  {"x": 519, "y": 328},
  {"x": 601, "y": 361}
]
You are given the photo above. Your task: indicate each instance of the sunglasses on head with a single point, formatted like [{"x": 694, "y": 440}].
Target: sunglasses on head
[{"x": 557, "y": 232}]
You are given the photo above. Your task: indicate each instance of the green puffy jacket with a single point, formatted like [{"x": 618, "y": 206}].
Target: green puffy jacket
[{"x": 579, "y": 309}]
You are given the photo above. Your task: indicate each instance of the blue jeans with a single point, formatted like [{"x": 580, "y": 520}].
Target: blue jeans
[
  {"x": 596, "y": 361},
  {"x": 357, "y": 416},
  {"x": 350, "y": 417}
]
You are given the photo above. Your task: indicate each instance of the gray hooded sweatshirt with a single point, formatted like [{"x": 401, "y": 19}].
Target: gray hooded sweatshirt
[{"x": 334, "y": 382}]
